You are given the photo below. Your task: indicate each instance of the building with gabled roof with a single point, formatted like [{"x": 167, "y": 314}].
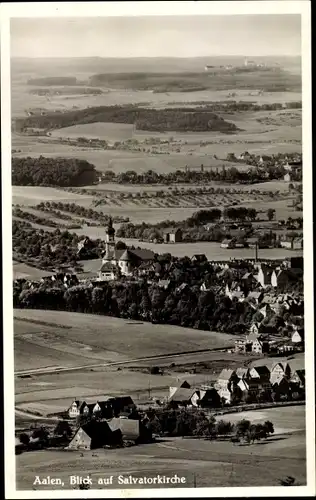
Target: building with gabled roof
[
  {"x": 121, "y": 261},
  {"x": 93, "y": 435},
  {"x": 182, "y": 396},
  {"x": 172, "y": 235},
  {"x": 184, "y": 384},
  {"x": 206, "y": 398},
  {"x": 74, "y": 409}
]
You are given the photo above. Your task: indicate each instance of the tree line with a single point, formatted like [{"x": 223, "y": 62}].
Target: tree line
[
  {"x": 201, "y": 175},
  {"x": 73, "y": 208},
  {"x": 176, "y": 119},
  {"x": 181, "y": 303},
  {"x": 44, "y": 171}
]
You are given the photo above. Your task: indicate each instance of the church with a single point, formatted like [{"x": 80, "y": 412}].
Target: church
[{"x": 122, "y": 262}]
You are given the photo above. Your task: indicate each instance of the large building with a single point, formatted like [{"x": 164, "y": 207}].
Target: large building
[{"x": 125, "y": 262}]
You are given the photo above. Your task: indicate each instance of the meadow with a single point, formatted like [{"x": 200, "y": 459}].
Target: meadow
[
  {"x": 102, "y": 338},
  {"x": 202, "y": 463}
]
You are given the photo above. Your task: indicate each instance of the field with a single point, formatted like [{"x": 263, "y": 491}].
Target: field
[
  {"x": 104, "y": 338},
  {"x": 99, "y": 357},
  {"x": 202, "y": 463}
]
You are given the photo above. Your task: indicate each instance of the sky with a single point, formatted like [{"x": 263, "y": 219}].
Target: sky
[{"x": 173, "y": 36}]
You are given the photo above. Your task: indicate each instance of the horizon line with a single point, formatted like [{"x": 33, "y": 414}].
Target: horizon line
[{"x": 153, "y": 57}]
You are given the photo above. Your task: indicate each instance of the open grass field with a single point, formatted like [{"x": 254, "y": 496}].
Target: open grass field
[
  {"x": 32, "y": 195},
  {"x": 103, "y": 338},
  {"x": 21, "y": 270},
  {"x": 285, "y": 419},
  {"x": 207, "y": 463}
]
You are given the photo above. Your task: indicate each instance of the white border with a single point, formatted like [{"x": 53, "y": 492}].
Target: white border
[{"x": 96, "y": 9}]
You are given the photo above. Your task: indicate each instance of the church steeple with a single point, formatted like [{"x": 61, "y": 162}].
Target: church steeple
[{"x": 109, "y": 240}]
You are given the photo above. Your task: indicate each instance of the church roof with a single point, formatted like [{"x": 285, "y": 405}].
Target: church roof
[{"x": 126, "y": 256}]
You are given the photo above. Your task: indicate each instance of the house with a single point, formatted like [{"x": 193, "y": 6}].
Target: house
[
  {"x": 297, "y": 243},
  {"x": 254, "y": 328},
  {"x": 279, "y": 371},
  {"x": 206, "y": 398},
  {"x": 93, "y": 435},
  {"x": 264, "y": 275},
  {"x": 129, "y": 428},
  {"x": 227, "y": 243},
  {"x": 248, "y": 279},
  {"x": 226, "y": 384},
  {"x": 298, "y": 336},
  {"x": 74, "y": 409},
  {"x": 287, "y": 177},
  {"x": 199, "y": 258},
  {"x": 260, "y": 347},
  {"x": 182, "y": 396},
  {"x": 181, "y": 385},
  {"x": 103, "y": 408},
  {"x": 172, "y": 235},
  {"x": 242, "y": 373},
  {"x": 292, "y": 243},
  {"x": 254, "y": 297},
  {"x": 298, "y": 378},
  {"x": 122, "y": 404},
  {"x": 281, "y": 386},
  {"x": 261, "y": 373},
  {"x": 121, "y": 261},
  {"x": 249, "y": 387},
  {"x": 243, "y": 346},
  {"x": 86, "y": 409}
]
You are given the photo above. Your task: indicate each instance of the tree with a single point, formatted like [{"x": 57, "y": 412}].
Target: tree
[
  {"x": 24, "y": 438},
  {"x": 63, "y": 429},
  {"x": 271, "y": 213},
  {"x": 41, "y": 433},
  {"x": 120, "y": 245},
  {"x": 223, "y": 428},
  {"x": 242, "y": 427},
  {"x": 269, "y": 427}
]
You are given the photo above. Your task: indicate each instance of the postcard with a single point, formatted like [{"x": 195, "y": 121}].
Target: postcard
[{"x": 157, "y": 201}]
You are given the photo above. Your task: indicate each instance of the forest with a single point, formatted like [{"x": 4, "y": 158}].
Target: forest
[
  {"x": 44, "y": 171},
  {"x": 176, "y": 119},
  {"x": 51, "y": 248}
]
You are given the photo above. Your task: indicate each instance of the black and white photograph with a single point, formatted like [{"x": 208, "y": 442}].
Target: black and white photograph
[{"x": 158, "y": 330}]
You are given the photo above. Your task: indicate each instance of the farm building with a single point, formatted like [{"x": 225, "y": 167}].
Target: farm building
[
  {"x": 181, "y": 385},
  {"x": 74, "y": 409},
  {"x": 172, "y": 235},
  {"x": 94, "y": 435},
  {"x": 199, "y": 258},
  {"x": 243, "y": 346},
  {"x": 129, "y": 428},
  {"x": 123, "y": 261},
  {"x": 225, "y": 384},
  {"x": 227, "y": 243},
  {"x": 206, "y": 398},
  {"x": 298, "y": 336},
  {"x": 287, "y": 177},
  {"x": 292, "y": 243},
  {"x": 182, "y": 396},
  {"x": 298, "y": 378}
]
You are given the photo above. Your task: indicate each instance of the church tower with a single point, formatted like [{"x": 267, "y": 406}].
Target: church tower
[{"x": 110, "y": 241}]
